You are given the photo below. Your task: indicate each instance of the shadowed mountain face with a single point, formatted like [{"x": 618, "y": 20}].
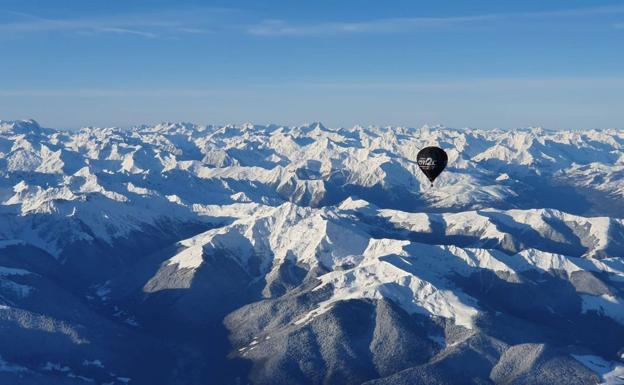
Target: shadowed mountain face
[{"x": 183, "y": 254}]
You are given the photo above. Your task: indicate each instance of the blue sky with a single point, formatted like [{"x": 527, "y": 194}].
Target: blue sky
[{"x": 509, "y": 64}]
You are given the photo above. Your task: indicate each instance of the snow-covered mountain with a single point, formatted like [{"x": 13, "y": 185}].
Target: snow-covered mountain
[{"x": 185, "y": 254}]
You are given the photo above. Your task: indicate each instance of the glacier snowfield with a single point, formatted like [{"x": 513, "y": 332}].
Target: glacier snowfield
[{"x": 187, "y": 254}]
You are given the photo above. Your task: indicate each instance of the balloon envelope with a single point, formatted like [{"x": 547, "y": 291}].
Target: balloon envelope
[{"x": 431, "y": 161}]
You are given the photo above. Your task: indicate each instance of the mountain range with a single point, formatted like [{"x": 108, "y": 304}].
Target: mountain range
[{"x": 266, "y": 254}]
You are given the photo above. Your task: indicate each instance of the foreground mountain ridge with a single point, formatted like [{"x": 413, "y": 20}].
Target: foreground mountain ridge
[{"x": 308, "y": 254}]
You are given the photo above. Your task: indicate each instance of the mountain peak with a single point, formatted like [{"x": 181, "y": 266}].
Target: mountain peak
[{"x": 29, "y": 126}]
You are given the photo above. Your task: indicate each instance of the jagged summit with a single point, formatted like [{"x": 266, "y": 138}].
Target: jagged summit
[{"x": 29, "y": 126}]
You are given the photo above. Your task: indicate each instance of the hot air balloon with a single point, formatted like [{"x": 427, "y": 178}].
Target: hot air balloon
[{"x": 431, "y": 161}]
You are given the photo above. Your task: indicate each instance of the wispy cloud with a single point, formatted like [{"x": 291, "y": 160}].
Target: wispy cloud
[
  {"x": 128, "y": 31},
  {"x": 393, "y": 25},
  {"x": 175, "y": 23},
  {"x": 136, "y": 92},
  {"x": 149, "y": 25},
  {"x": 459, "y": 85},
  {"x": 407, "y": 24}
]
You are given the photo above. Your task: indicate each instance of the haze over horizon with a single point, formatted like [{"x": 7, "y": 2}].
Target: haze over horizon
[{"x": 485, "y": 64}]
